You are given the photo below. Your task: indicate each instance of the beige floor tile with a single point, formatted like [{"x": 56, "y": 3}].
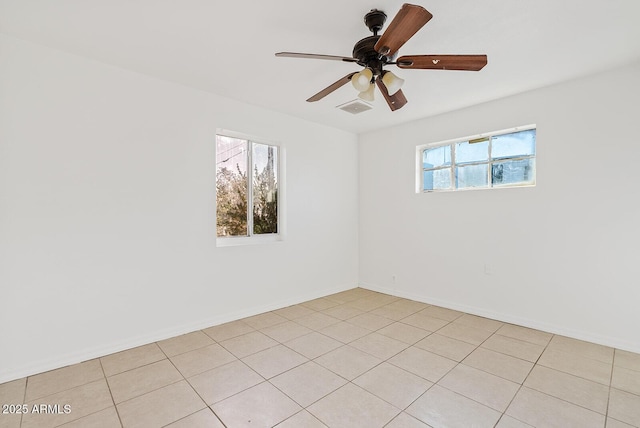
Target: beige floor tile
[
  {"x": 273, "y": 361},
  {"x": 13, "y": 392},
  {"x": 483, "y": 387},
  {"x": 423, "y": 363},
  {"x": 228, "y": 330},
  {"x": 404, "y": 332},
  {"x": 83, "y": 400},
  {"x": 509, "y": 422},
  {"x": 248, "y": 344},
  {"x": 408, "y": 304},
  {"x": 628, "y": 360},
  {"x": 624, "y": 407},
  {"x": 530, "y": 335},
  {"x": 393, "y": 384},
  {"x": 573, "y": 389},
  {"x": 260, "y": 406},
  {"x": 505, "y": 366},
  {"x": 133, "y": 383},
  {"x": 286, "y": 331},
  {"x": 612, "y": 423},
  {"x": 393, "y": 313},
  {"x": 439, "y": 407},
  {"x": 626, "y": 380},
  {"x": 308, "y": 383},
  {"x": 582, "y": 348},
  {"x": 465, "y": 333},
  {"x": 442, "y": 313},
  {"x": 350, "y": 295},
  {"x": 320, "y": 304},
  {"x": 425, "y": 322},
  {"x": 348, "y": 362},
  {"x": 370, "y": 321},
  {"x": 160, "y": 407},
  {"x": 11, "y": 420},
  {"x": 107, "y": 418},
  {"x": 379, "y": 345},
  {"x": 202, "y": 359},
  {"x": 316, "y": 321},
  {"x": 313, "y": 345},
  {"x": 54, "y": 381},
  {"x": 586, "y": 368},
  {"x": 404, "y": 420},
  {"x": 542, "y": 410},
  {"x": 267, "y": 319},
  {"x": 294, "y": 312},
  {"x": 201, "y": 419},
  {"x": 353, "y": 407},
  {"x": 131, "y": 359},
  {"x": 367, "y": 304},
  {"x": 224, "y": 381},
  {"x": 300, "y": 420},
  {"x": 479, "y": 322},
  {"x": 342, "y": 312},
  {"x": 514, "y": 347},
  {"x": 185, "y": 343},
  {"x": 446, "y": 346},
  {"x": 344, "y": 332}
]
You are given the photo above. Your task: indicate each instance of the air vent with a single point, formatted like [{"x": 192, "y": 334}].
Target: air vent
[{"x": 355, "y": 106}]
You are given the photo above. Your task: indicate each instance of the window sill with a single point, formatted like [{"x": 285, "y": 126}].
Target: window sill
[{"x": 235, "y": 241}]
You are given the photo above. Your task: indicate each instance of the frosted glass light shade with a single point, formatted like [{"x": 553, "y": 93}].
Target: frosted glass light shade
[
  {"x": 362, "y": 80},
  {"x": 392, "y": 82},
  {"x": 368, "y": 94}
]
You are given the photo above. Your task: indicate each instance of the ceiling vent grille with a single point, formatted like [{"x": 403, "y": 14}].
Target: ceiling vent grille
[{"x": 355, "y": 106}]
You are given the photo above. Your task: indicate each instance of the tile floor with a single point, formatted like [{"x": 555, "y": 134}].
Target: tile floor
[{"x": 352, "y": 359}]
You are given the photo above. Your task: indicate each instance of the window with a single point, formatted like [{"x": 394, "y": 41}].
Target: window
[
  {"x": 246, "y": 187},
  {"x": 498, "y": 159}
]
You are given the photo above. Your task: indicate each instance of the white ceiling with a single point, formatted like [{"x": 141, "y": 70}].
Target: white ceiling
[{"x": 227, "y": 47}]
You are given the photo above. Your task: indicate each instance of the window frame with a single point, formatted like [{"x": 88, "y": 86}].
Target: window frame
[
  {"x": 252, "y": 238},
  {"x": 489, "y": 162}
]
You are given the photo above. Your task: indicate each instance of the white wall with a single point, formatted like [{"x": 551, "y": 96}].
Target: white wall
[
  {"x": 107, "y": 204},
  {"x": 564, "y": 254}
]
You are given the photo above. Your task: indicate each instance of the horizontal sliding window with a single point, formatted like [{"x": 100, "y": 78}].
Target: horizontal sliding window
[
  {"x": 500, "y": 159},
  {"x": 246, "y": 187}
]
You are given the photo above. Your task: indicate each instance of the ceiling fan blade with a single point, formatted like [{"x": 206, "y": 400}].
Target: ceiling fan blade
[
  {"x": 316, "y": 56},
  {"x": 395, "y": 101},
  {"x": 405, "y": 24},
  {"x": 443, "y": 62},
  {"x": 326, "y": 91}
]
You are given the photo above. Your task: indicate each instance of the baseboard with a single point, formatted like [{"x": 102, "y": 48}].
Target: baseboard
[
  {"x": 512, "y": 319},
  {"x": 100, "y": 351}
]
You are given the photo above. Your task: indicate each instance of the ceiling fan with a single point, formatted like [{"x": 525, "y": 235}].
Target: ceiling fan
[{"x": 375, "y": 52}]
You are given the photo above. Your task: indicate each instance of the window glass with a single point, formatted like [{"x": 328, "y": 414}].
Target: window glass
[
  {"x": 512, "y": 172},
  {"x": 246, "y": 187},
  {"x": 516, "y": 144},
  {"x": 265, "y": 189},
  {"x": 472, "y": 152},
  {"x": 438, "y": 179},
  {"x": 471, "y": 176},
  {"x": 438, "y": 156},
  {"x": 500, "y": 159},
  {"x": 231, "y": 186}
]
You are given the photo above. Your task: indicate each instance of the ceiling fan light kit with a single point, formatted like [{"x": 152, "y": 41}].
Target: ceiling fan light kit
[{"x": 375, "y": 52}]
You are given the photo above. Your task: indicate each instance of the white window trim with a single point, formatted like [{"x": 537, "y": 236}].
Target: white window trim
[
  {"x": 421, "y": 148},
  {"x": 234, "y": 241}
]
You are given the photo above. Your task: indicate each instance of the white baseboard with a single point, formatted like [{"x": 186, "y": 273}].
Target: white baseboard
[
  {"x": 613, "y": 342},
  {"x": 47, "y": 364}
]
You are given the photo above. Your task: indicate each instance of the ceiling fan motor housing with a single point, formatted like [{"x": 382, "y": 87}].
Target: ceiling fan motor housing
[{"x": 367, "y": 56}]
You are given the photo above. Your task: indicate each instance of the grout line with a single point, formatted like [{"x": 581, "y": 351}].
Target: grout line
[{"x": 110, "y": 393}]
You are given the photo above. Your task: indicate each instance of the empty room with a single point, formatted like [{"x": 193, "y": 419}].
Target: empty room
[{"x": 304, "y": 215}]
